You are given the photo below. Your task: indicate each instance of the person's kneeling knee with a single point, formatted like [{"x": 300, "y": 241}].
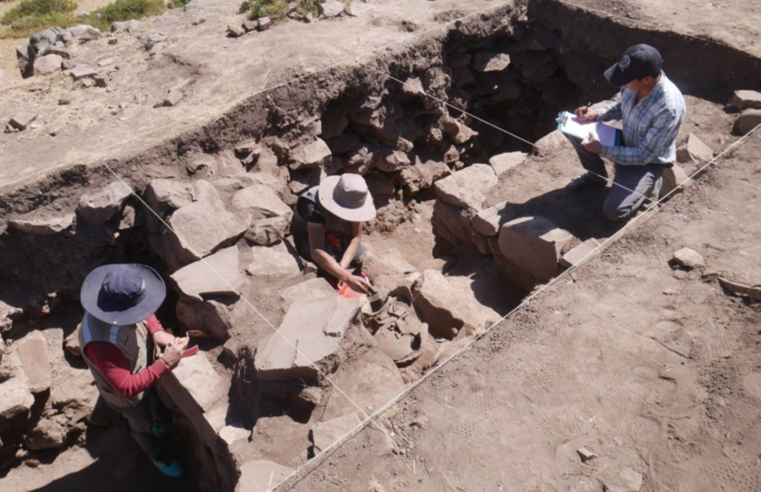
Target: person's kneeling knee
[{"x": 616, "y": 213}]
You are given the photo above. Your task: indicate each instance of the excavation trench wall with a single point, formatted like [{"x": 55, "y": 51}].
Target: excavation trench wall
[{"x": 402, "y": 141}]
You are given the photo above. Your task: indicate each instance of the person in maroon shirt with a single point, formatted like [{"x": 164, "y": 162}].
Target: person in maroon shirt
[{"x": 121, "y": 341}]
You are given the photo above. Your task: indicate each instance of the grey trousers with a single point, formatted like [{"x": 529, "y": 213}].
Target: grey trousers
[
  {"x": 141, "y": 419},
  {"x": 632, "y": 185}
]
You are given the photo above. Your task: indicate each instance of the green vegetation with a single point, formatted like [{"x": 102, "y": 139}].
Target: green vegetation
[
  {"x": 177, "y": 4},
  {"x": 124, "y": 10},
  {"x": 31, "y": 16},
  {"x": 274, "y": 9}
]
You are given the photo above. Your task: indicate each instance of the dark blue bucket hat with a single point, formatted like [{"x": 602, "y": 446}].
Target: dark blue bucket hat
[{"x": 122, "y": 294}]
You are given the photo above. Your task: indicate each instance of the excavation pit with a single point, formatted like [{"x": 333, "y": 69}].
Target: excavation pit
[{"x": 445, "y": 185}]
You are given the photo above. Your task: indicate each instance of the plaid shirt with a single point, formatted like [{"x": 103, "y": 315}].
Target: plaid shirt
[{"x": 650, "y": 126}]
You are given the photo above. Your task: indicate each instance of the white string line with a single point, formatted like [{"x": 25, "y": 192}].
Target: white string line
[
  {"x": 520, "y": 306},
  {"x": 662, "y": 29},
  {"x": 417, "y": 89},
  {"x": 251, "y": 305},
  {"x": 222, "y": 108}
]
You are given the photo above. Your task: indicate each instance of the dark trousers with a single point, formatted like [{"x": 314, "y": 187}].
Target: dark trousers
[
  {"x": 632, "y": 185},
  {"x": 141, "y": 418}
]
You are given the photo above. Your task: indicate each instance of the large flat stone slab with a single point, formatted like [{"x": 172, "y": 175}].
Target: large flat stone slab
[
  {"x": 467, "y": 188},
  {"x": 534, "y": 245},
  {"x": 272, "y": 263},
  {"x": 261, "y": 476},
  {"x": 216, "y": 274},
  {"x": 309, "y": 289},
  {"x": 198, "y": 376},
  {"x": 325, "y": 434},
  {"x": 260, "y": 202},
  {"x": 310, "y": 332},
  {"x": 43, "y": 226},
  {"x": 201, "y": 229},
  {"x": 33, "y": 352}
]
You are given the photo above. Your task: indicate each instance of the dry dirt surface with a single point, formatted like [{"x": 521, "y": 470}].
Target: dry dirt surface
[
  {"x": 120, "y": 120},
  {"x": 652, "y": 368}
]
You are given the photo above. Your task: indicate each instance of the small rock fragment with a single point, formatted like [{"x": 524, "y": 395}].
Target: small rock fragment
[
  {"x": 250, "y": 25},
  {"x": 21, "y": 121},
  {"x": 490, "y": 62},
  {"x": 331, "y": 8},
  {"x": 174, "y": 97},
  {"x": 264, "y": 23},
  {"x": 746, "y": 99},
  {"x": 64, "y": 99},
  {"x": 235, "y": 31},
  {"x": 585, "y": 454},
  {"x": 689, "y": 258},
  {"x": 693, "y": 150}
]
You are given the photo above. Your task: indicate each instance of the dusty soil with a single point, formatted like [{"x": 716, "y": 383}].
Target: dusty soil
[
  {"x": 649, "y": 367},
  {"x": 100, "y": 124}
]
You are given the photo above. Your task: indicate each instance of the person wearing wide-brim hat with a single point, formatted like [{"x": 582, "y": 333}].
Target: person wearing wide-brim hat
[
  {"x": 327, "y": 227},
  {"x": 121, "y": 338}
]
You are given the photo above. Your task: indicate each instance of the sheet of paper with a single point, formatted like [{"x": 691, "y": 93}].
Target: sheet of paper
[{"x": 571, "y": 125}]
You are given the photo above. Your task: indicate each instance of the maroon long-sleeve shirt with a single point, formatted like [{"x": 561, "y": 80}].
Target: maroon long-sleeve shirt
[{"x": 114, "y": 367}]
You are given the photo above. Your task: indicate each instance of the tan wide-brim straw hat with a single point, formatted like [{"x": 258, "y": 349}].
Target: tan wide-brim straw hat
[{"x": 347, "y": 197}]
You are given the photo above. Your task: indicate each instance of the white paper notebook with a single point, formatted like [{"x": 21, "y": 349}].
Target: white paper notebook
[{"x": 569, "y": 124}]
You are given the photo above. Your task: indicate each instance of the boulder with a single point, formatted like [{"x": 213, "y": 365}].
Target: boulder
[
  {"x": 490, "y": 62},
  {"x": 260, "y": 202},
  {"x": 266, "y": 232},
  {"x": 454, "y": 225},
  {"x": 311, "y": 155},
  {"x": 504, "y": 162},
  {"x": 125, "y": 26},
  {"x": 313, "y": 288},
  {"x": 437, "y": 303},
  {"x": 535, "y": 245},
  {"x": 325, "y": 434},
  {"x": 489, "y": 220},
  {"x": 71, "y": 343},
  {"x": 216, "y": 274},
  {"x": 100, "y": 206},
  {"x": 43, "y": 227},
  {"x": 627, "y": 481},
  {"x": 331, "y": 8},
  {"x": 198, "y": 376},
  {"x": 8, "y": 314},
  {"x": 25, "y": 55},
  {"x": 264, "y": 23},
  {"x": 260, "y": 475},
  {"x": 554, "y": 143},
  {"x": 22, "y": 120},
  {"x": 44, "y": 65},
  {"x": 467, "y": 188},
  {"x": 693, "y": 150},
  {"x": 234, "y": 31},
  {"x": 35, "y": 359},
  {"x": 47, "y": 434},
  {"x": 334, "y": 123},
  {"x": 671, "y": 178},
  {"x": 200, "y": 229},
  {"x": 73, "y": 392},
  {"x": 167, "y": 195},
  {"x": 272, "y": 263},
  {"x": 15, "y": 398},
  {"x": 394, "y": 161},
  {"x": 748, "y": 120},
  {"x": 232, "y": 433},
  {"x": 316, "y": 327},
  {"x": 746, "y": 99},
  {"x": 212, "y": 316},
  {"x": 411, "y": 89},
  {"x": 689, "y": 259},
  {"x": 579, "y": 253}
]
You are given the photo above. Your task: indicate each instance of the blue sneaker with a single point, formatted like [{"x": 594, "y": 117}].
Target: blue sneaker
[
  {"x": 171, "y": 468},
  {"x": 162, "y": 430}
]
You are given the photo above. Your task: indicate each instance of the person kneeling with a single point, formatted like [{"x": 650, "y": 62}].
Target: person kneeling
[{"x": 327, "y": 228}]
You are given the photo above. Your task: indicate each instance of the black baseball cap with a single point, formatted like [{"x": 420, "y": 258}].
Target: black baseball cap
[{"x": 639, "y": 61}]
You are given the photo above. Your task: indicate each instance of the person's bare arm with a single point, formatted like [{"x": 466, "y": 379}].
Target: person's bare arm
[
  {"x": 351, "y": 250},
  {"x": 328, "y": 263}
]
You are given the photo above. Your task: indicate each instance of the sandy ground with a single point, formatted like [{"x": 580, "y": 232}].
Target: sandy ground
[{"x": 649, "y": 367}]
